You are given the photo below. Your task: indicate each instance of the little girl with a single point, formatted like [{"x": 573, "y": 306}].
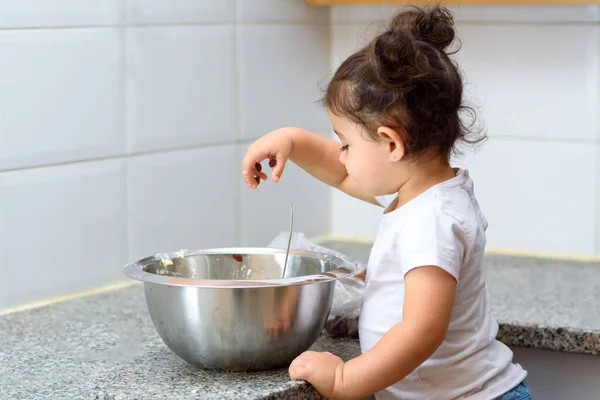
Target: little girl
[{"x": 425, "y": 327}]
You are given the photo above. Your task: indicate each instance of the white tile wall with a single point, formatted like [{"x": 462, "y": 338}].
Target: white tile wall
[
  {"x": 354, "y": 218},
  {"x": 523, "y": 88},
  {"x": 61, "y": 96},
  {"x": 280, "y": 10},
  {"x": 266, "y": 210},
  {"x": 544, "y": 14},
  {"x": 347, "y": 38},
  {"x": 43, "y": 13},
  {"x": 184, "y": 199},
  {"x": 62, "y": 229},
  {"x": 538, "y": 194},
  {"x": 179, "y": 11},
  {"x": 181, "y": 86},
  {"x": 358, "y": 13},
  {"x": 62, "y": 99},
  {"x": 155, "y": 89},
  {"x": 280, "y": 69},
  {"x": 535, "y": 74}
]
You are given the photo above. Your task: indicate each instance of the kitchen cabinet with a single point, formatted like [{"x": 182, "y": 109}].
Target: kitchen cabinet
[{"x": 556, "y": 375}]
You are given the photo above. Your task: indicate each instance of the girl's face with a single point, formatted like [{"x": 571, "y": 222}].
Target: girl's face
[{"x": 370, "y": 163}]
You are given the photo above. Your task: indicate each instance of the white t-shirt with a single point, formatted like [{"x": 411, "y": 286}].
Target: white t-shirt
[{"x": 443, "y": 227}]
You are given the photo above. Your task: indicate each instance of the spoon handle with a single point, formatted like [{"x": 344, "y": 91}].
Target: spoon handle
[{"x": 287, "y": 252}]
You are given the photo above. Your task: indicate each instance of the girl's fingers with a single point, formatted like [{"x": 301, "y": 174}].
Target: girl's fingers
[
  {"x": 277, "y": 163},
  {"x": 251, "y": 172},
  {"x": 249, "y": 165},
  {"x": 259, "y": 175},
  {"x": 253, "y": 177},
  {"x": 298, "y": 371},
  {"x": 258, "y": 171},
  {"x": 252, "y": 169},
  {"x": 248, "y": 174}
]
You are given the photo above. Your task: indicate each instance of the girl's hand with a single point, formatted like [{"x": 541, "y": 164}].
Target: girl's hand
[
  {"x": 322, "y": 370},
  {"x": 276, "y": 147}
]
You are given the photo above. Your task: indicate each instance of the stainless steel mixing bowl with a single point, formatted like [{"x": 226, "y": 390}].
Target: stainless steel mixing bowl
[{"x": 230, "y": 309}]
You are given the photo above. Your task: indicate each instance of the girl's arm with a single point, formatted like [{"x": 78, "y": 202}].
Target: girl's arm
[
  {"x": 320, "y": 157},
  {"x": 315, "y": 154},
  {"x": 428, "y": 301}
]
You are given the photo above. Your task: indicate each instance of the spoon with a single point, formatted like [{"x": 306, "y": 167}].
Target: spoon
[{"x": 287, "y": 252}]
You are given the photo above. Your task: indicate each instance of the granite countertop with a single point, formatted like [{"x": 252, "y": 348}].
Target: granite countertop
[
  {"x": 105, "y": 347},
  {"x": 541, "y": 303}
]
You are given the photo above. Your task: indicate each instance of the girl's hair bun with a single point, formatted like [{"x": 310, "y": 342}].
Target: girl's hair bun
[
  {"x": 405, "y": 78},
  {"x": 433, "y": 25},
  {"x": 414, "y": 39}
]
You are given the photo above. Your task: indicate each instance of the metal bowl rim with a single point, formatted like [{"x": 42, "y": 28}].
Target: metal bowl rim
[{"x": 135, "y": 270}]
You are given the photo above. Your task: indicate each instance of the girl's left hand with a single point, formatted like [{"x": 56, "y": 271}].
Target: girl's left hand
[{"x": 322, "y": 370}]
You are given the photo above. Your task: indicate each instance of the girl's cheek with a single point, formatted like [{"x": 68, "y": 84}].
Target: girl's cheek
[{"x": 351, "y": 168}]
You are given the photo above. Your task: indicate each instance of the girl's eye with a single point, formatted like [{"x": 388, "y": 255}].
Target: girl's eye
[{"x": 344, "y": 148}]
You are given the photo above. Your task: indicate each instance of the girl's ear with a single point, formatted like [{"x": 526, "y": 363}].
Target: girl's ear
[{"x": 393, "y": 138}]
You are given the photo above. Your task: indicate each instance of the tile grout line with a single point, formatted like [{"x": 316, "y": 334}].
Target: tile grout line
[
  {"x": 330, "y": 62},
  {"x": 163, "y": 25},
  {"x": 125, "y": 91},
  {"x": 545, "y": 139},
  {"x": 491, "y": 250},
  {"x": 238, "y": 120},
  {"x": 124, "y": 9},
  {"x": 596, "y": 174},
  {"x": 596, "y": 76},
  {"x": 459, "y": 22},
  {"x": 241, "y": 140},
  {"x": 321, "y": 240},
  {"x": 330, "y": 22},
  {"x": 126, "y": 156},
  {"x": 72, "y": 296}
]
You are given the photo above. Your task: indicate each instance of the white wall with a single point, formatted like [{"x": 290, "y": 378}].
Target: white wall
[
  {"x": 123, "y": 124},
  {"x": 535, "y": 72},
  {"x": 122, "y": 127}
]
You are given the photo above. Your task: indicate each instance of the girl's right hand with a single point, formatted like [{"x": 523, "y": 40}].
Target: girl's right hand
[{"x": 276, "y": 147}]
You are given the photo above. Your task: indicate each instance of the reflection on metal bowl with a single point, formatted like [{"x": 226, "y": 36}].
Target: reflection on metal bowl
[{"x": 231, "y": 309}]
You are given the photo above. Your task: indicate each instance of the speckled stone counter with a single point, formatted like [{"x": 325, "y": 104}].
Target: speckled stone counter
[
  {"x": 547, "y": 304},
  {"x": 105, "y": 347}
]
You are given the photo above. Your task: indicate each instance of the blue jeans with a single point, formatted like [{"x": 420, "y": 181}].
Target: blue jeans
[{"x": 520, "y": 392}]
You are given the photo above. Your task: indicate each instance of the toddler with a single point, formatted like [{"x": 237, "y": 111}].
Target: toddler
[{"x": 425, "y": 327}]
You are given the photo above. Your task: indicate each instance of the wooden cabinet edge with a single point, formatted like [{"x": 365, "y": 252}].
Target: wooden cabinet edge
[{"x": 456, "y": 2}]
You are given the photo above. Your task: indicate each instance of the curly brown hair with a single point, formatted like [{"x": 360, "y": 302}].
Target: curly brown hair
[{"x": 404, "y": 78}]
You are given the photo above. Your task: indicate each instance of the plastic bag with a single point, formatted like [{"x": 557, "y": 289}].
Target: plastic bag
[{"x": 348, "y": 292}]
